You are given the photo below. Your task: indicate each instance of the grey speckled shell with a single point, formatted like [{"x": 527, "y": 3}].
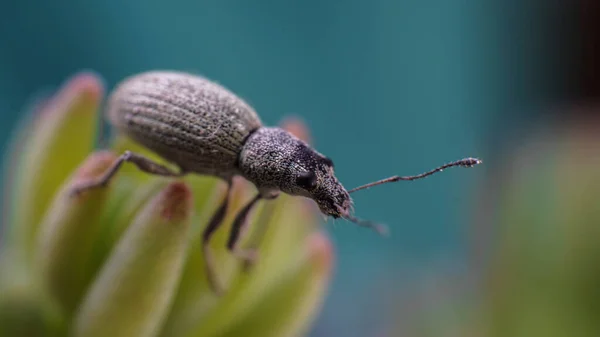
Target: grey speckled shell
[{"x": 186, "y": 119}]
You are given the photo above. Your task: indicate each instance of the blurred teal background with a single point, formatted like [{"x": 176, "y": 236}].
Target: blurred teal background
[{"x": 386, "y": 87}]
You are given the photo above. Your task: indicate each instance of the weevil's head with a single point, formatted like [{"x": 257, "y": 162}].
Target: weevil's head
[
  {"x": 273, "y": 159},
  {"x": 312, "y": 176}
]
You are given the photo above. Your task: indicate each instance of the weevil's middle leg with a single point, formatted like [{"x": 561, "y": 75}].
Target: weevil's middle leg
[
  {"x": 259, "y": 234},
  {"x": 215, "y": 222},
  {"x": 145, "y": 164},
  {"x": 240, "y": 226}
]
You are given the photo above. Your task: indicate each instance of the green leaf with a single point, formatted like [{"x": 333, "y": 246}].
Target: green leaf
[
  {"x": 25, "y": 310},
  {"x": 68, "y": 231},
  {"x": 13, "y": 157},
  {"x": 288, "y": 222},
  {"x": 293, "y": 302},
  {"x": 22, "y": 314},
  {"x": 133, "y": 292},
  {"x": 59, "y": 140},
  {"x": 195, "y": 298}
]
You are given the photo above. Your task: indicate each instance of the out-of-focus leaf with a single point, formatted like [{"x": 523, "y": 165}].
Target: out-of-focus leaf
[
  {"x": 195, "y": 297},
  {"x": 133, "y": 291},
  {"x": 12, "y": 160},
  {"x": 25, "y": 309},
  {"x": 293, "y": 301},
  {"x": 68, "y": 231},
  {"x": 59, "y": 141},
  {"x": 21, "y": 314},
  {"x": 279, "y": 245}
]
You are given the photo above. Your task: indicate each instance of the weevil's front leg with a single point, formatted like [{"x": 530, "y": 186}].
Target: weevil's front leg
[
  {"x": 215, "y": 222},
  {"x": 145, "y": 164},
  {"x": 240, "y": 226}
]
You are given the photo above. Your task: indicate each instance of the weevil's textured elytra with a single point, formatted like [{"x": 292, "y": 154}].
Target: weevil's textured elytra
[
  {"x": 203, "y": 128},
  {"x": 188, "y": 120}
]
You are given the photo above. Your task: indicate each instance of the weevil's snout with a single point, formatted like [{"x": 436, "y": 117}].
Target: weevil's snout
[
  {"x": 321, "y": 185},
  {"x": 334, "y": 202}
]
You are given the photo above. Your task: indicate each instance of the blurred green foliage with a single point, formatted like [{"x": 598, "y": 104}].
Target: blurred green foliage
[{"x": 125, "y": 260}]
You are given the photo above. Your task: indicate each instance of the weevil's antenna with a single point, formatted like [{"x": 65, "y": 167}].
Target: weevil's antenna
[
  {"x": 379, "y": 228},
  {"x": 467, "y": 162}
]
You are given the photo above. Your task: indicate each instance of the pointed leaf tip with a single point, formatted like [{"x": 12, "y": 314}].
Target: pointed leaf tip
[
  {"x": 88, "y": 83},
  {"x": 95, "y": 166},
  {"x": 175, "y": 202},
  {"x": 86, "y": 86},
  {"x": 297, "y": 127}
]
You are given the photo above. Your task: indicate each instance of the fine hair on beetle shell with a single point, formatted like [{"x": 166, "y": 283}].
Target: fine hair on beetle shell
[{"x": 203, "y": 128}]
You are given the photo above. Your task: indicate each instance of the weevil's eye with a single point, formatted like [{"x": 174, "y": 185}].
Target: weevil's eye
[{"x": 307, "y": 180}]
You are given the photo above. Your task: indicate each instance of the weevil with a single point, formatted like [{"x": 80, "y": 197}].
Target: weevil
[{"x": 203, "y": 128}]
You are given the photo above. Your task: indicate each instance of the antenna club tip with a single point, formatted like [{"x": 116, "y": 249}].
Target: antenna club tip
[{"x": 470, "y": 162}]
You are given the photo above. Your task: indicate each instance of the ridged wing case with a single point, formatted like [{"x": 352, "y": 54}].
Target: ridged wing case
[{"x": 186, "y": 119}]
